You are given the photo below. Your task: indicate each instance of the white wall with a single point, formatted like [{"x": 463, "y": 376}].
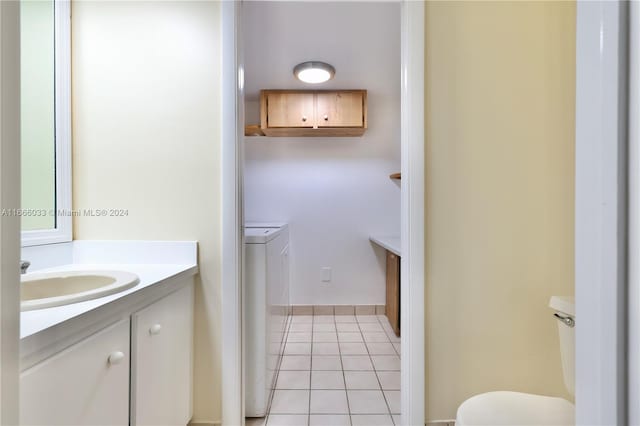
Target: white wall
[
  {"x": 334, "y": 192},
  {"x": 146, "y": 138}
]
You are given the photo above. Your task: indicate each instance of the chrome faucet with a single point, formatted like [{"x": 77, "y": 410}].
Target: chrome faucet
[{"x": 24, "y": 265}]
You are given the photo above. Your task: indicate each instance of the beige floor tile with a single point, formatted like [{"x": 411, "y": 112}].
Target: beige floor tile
[
  {"x": 383, "y": 319},
  {"x": 324, "y": 327},
  {"x": 287, "y": 420},
  {"x": 371, "y": 420},
  {"x": 348, "y": 327},
  {"x": 326, "y": 362},
  {"x": 393, "y": 399},
  {"x": 293, "y": 380},
  {"x": 345, "y": 318},
  {"x": 371, "y": 327},
  {"x": 301, "y": 319},
  {"x": 389, "y": 380},
  {"x": 367, "y": 319},
  {"x": 297, "y": 349},
  {"x": 329, "y": 402},
  {"x": 392, "y": 337},
  {"x": 367, "y": 402},
  {"x": 350, "y": 337},
  {"x": 375, "y": 337},
  {"x": 327, "y": 380},
  {"x": 381, "y": 348},
  {"x": 324, "y": 337},
  {"x": 353, "y": 348},
  {"x": 319, "y": 319},
  {"x": 296, "y": 362},
  {"x": 397, "y": 347},
  {"x": 357, "y": 363},
  {"x": 297, "y": 337},
  {"x": 290, "y": 402},
  {"x": 303, "y": 327},
  {"x": 386, "y": 362},
  {"x": 365, "y": 380},
  {"x": 325, "y": 349},
  {"x": 329, "y": 420}
]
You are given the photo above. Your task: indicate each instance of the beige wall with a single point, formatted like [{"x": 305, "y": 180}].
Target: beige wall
[
  {"x": 146, "y": 127},
  {"x": 499, "y": 196}
]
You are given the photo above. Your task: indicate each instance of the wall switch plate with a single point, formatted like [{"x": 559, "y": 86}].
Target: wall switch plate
[{"x": 326, "y": 274}]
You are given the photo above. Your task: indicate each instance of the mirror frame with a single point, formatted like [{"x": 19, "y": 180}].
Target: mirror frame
[{"x": 63, "y": 231}]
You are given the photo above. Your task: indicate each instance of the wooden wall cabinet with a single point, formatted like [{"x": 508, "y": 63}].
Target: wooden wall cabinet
[{"x": 313, "y": 113}]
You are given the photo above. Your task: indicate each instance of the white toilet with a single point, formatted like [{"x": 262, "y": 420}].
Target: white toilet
[{"x": 516, "y": 408}]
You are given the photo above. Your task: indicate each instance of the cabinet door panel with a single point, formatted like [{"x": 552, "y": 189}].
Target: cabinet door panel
[
  {"x": 393, "y": 292},
  {"x": 80, "y": 385},
  {"x": 290, "y": 110},
  {"x": 162, "y": 361},
  {"x": 340, "y": 109}
]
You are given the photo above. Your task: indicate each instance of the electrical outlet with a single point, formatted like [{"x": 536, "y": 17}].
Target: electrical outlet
[{"x": 326, "y": 274}]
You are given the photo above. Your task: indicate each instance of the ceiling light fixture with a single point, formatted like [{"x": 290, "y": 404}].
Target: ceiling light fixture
[{"x": 314, "y": 72}]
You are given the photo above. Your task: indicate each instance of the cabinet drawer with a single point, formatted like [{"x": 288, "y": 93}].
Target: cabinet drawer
[
  {"x": 86, "y": 384},
  {"x": 340, "y": 109}
]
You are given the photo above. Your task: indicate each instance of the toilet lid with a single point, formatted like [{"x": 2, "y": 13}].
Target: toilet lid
[{"x": 515, "y": 408}]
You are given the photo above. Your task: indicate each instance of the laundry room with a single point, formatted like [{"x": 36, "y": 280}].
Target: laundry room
[{"x": 322, "y": 202}]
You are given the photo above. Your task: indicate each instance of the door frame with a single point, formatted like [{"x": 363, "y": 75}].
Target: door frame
[
  {"x": 634, "y": 215},
  {"x": 412, "y": 213},
  {"x": 9, "y": 199},
  {"x": 601, "y": 212}
]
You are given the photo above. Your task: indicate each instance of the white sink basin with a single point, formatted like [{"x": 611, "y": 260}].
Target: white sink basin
[{"x": 47, "y": 289}]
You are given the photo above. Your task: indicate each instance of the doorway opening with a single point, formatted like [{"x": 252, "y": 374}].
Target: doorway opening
[{"x": 409, "y": 148}]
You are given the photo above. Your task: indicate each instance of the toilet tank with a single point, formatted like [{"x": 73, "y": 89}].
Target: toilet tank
[{"x": 565, "y": 313}]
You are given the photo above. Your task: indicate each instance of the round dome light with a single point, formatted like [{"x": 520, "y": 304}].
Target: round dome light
[{"x": 314, "y": 72}]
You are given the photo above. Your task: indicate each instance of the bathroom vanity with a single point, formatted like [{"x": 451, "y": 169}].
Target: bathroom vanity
[{"x": 125, "y": 358}]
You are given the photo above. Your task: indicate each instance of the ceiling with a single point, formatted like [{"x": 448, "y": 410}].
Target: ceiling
[{"x": 360, "y": 39}]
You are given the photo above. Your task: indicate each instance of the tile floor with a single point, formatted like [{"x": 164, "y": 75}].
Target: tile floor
[{"x": 337, "y": 370}]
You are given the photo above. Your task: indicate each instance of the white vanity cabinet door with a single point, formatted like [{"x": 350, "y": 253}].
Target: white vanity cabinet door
[
  {"x": 162, "y": 339},
  {"x": 86, "y": 384}
]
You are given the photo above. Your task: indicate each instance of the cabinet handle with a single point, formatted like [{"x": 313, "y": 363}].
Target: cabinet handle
[
  {"x": 116, "y": 358},
  {"x": 304, "y": 118},
  {"x": 326, "y": 118},
  {"x": 155, "y": 329}
]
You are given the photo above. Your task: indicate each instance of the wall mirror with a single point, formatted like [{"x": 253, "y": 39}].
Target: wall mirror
[{"x": 45, "y": 108}]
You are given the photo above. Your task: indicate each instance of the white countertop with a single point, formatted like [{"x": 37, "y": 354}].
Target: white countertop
[
  {"x": 32, "y": 322},
  {"x": 391, "y": 243}
]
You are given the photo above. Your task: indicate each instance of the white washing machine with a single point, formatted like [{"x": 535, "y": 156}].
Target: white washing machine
[{"x": 266, "y": 310}]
